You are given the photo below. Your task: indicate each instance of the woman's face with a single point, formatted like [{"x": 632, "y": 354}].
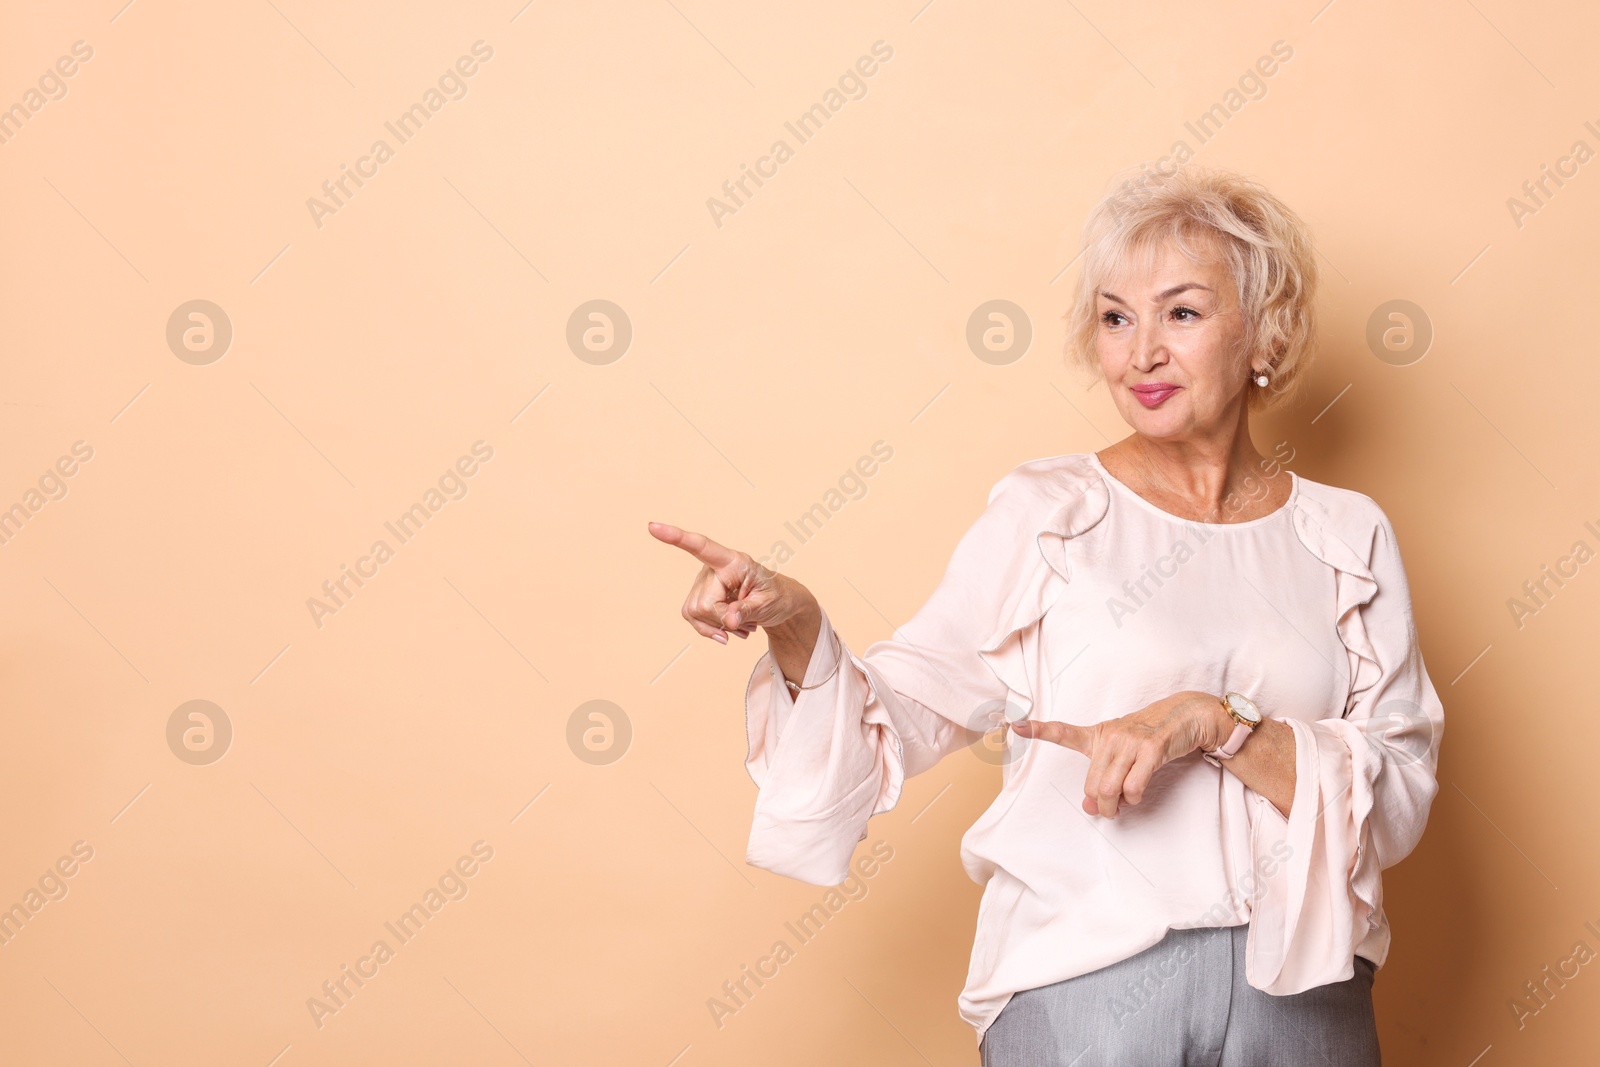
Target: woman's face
[{"x": 1170, "y": 345}]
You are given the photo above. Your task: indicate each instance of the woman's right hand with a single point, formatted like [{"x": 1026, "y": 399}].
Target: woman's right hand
[{"x": 732, "y": 593}]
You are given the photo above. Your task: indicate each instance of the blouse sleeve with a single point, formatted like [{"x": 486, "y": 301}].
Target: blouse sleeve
[
  {"x": 1363, "y": 785},
  {"x": 827, "y": 759}
]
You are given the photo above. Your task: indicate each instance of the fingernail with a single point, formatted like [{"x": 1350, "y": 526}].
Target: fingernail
[{"x": 720, "y": 637}]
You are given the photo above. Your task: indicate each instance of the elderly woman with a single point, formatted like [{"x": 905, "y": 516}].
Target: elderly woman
[{"x": 1215, "y": 726}]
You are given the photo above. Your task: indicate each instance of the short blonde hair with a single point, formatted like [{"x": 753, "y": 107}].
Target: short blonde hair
[{"x": 1265, "y": 245}]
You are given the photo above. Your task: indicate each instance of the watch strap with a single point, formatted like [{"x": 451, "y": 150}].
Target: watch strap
[{"x": 1233, "y": 744}]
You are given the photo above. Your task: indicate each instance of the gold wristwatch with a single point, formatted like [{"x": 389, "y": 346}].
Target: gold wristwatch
[{"x": 1246, "y": 717}]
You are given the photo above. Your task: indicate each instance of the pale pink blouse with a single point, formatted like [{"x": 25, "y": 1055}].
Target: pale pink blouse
[{"x": 1073, "y": 598}]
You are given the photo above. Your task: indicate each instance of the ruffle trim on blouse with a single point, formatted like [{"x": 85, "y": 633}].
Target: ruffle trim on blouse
[
  {"x": 1354, "y": 584},
  {"x": 1303, "y": 935},
  {"x": 1354, "y": 588},
  {"x": 1041, "y": 576}
]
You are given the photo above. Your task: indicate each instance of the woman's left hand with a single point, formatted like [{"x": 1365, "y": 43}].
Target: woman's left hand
[{"x": 1124, "y": 753}]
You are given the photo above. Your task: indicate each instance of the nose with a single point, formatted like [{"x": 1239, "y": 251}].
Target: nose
[{"x": 1149, "y": 347}]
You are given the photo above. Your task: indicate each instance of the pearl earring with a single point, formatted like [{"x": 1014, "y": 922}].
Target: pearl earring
[{"x": 1261, "y": 378}]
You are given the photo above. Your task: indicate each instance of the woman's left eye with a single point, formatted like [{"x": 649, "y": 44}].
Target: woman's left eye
[{"x": 1189, "y": 310}]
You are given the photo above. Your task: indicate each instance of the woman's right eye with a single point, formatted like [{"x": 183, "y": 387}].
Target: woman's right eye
[{"x": 1109, "y": 316}]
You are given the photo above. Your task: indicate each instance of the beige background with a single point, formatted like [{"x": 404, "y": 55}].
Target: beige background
[{"x": 769, "y": 354}]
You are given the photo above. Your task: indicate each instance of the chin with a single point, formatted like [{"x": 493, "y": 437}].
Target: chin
[{"x": 1165, "y": 421}]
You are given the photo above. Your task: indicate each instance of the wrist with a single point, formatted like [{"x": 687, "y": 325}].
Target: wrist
[
  {"x": 805, "y": 618},
  {"x": 793, "y": 642},
  {"x": 1216, "y": 725}
]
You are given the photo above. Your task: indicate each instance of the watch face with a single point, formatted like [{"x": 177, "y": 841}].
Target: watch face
[{"x": 1245, "y": 707}]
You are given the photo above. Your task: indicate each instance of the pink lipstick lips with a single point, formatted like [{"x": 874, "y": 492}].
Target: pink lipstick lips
[{"x": 1152, "y": 394}]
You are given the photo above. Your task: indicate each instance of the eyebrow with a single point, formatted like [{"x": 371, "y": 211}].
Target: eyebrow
[{"x": 1164, "y": 294}]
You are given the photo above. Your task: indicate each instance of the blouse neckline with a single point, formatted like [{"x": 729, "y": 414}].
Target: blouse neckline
[{"x": 1294, "y": 494}]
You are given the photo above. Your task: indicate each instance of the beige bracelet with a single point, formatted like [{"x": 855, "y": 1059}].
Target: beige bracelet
[{"x": 838, "y": 658}]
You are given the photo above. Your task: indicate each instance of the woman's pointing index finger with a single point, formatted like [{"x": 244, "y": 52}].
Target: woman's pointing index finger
[{"x": 697, "y": 545}]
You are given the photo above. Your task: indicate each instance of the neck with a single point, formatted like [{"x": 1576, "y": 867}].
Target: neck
[{"x": 1202, "y": 472}]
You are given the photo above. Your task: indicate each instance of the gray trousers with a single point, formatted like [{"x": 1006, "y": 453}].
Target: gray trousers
[{"x": 1185, "y": 1001}]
